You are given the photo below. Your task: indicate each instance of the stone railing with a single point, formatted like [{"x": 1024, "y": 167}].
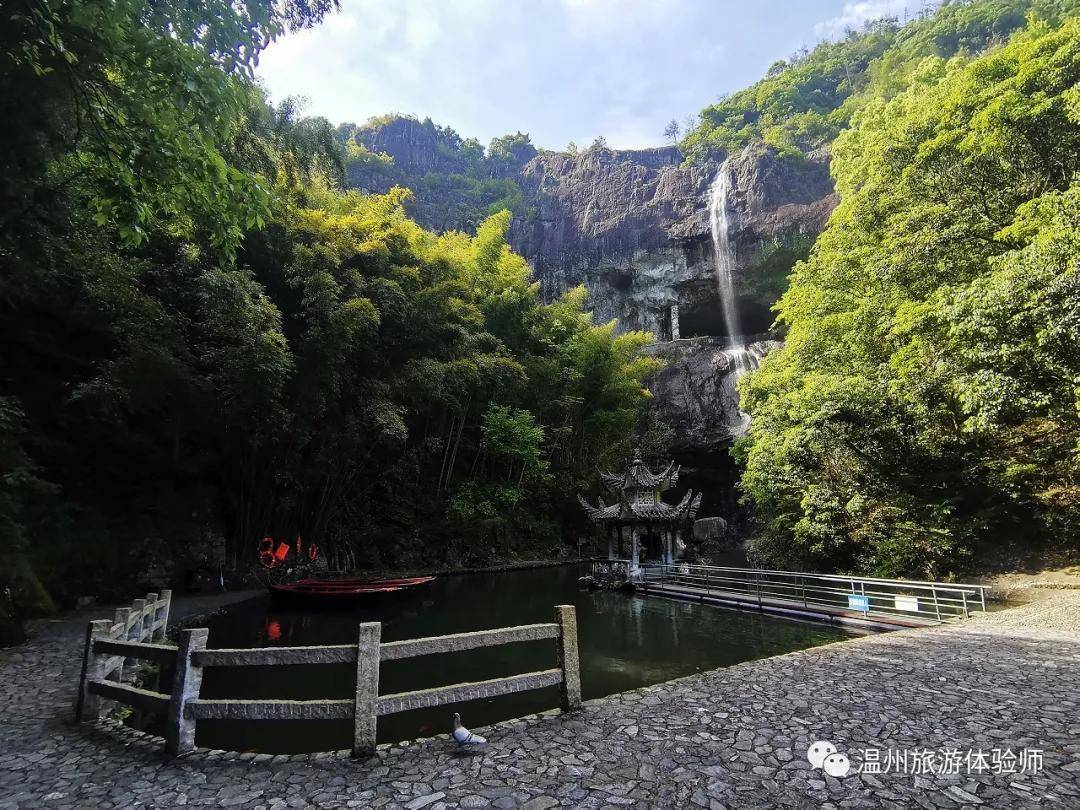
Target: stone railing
[
  {"x": 131, "y": 628},
  {"x": 183, "y": 707}
]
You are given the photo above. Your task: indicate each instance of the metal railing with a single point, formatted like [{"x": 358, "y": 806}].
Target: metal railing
[
  {"x": 835, "y": 593},
  {"x": 183, "y": 706}
]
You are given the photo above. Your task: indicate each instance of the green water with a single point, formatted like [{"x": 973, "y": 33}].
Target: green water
[{"x": 625, "y": 642}]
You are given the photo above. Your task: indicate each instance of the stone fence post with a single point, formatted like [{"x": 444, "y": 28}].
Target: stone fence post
[
  {"x": 146, "y": 626},
  {"x": 365, "y": 708},
  {"x": 180, "y": 729},
  {"x": 88, "y": 706},
  {"x": 568, "y": 661},
  {"x": 122, "y": 617},
  {"x": 162, "y": 616},
  {"x": 133, "y": 629}
]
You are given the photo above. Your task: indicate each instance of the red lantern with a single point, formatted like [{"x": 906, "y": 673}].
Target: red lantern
[
  {"x": 313, "y": 552},
  {"x": 282, "y": 552}
]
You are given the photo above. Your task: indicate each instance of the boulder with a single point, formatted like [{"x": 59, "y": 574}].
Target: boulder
[{"x": 710, "y": 528}]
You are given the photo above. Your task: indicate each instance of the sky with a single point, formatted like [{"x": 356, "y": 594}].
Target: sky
[{"x": 560, "y": 70}]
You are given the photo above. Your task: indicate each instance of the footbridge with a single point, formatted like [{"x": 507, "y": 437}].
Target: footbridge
[{"x": 858, "y": 602}]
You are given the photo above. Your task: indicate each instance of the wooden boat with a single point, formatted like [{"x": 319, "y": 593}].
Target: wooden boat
[
  {"x": 333, "y": 591},
  {"x": 408, "y": 582}
]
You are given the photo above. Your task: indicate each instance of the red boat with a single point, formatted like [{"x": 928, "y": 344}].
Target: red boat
[{"x": 343, "y": 590}]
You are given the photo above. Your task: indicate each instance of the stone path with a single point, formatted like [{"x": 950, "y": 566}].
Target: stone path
[{"x": 730, "y": 738}]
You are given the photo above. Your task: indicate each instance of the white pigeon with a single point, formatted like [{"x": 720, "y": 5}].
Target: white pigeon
[{"x": 463, "y": 735}]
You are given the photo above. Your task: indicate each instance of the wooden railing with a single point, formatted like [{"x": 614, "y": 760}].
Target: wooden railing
[{"x": 183, "y": 707}]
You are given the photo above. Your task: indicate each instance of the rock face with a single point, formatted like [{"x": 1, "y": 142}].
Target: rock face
[
  {"x": 633, "y": 226},
  {"x": 608, "y": 219},
  {"x": 696, "y": 393},
  {"x": 416, "y": 147}
]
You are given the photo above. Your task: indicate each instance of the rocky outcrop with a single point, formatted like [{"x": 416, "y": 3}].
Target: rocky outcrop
[
  {"x": 416, "y": 147},
  {"x": 709, "y": 529},
  {"x": 607, "y": 219},
  {"x": 604, "y": 207},
  {"x": 695, "y": 392}
]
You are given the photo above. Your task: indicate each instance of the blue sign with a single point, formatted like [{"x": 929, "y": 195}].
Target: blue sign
[{"x": 858, "y": 602}]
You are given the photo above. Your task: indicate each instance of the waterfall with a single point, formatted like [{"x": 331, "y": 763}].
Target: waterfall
[{"x": 724, "y": 254}]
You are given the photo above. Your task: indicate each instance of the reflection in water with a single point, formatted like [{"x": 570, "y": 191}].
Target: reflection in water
[{"x": 625, "y": 642}]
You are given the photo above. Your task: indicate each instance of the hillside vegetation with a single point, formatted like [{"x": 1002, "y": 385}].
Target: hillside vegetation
[
  {"x": 805, "y": 102},
  {"x": 922, "y": 417}
]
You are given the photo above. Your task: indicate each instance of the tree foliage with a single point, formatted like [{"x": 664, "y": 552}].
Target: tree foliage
[
  {"x": 924, "y": 409},
  {"x": 205, "y": 335},
  {"x": 129, "y": 103},
  {"x": 804, "y": 103}
]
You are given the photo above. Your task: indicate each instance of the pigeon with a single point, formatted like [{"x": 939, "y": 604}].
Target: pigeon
[{"x": 463, "y": 735}]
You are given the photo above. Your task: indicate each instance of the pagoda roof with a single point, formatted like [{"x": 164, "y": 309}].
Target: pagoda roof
[
  {"x": 639, "y": 476},
  {"x": 659, "y": 512}
]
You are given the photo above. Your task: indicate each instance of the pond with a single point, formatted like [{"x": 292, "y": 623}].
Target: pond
[{"x": 625, "y": 642}]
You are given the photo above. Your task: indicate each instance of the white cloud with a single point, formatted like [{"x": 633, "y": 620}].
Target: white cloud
[
  {"x": 558, "y": 69},
  {"x": 421, "y": 31},
  {"x": 589, "y": 18},
  {"x": 855, "y": 15}
]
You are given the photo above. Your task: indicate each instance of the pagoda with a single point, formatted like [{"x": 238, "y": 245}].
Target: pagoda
[{"x": 641, "y": 511}]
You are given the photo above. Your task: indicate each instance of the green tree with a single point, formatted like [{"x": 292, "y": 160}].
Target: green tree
[
  {"x": 128, "y": 103},
  {"x": 923, "y": 408}
]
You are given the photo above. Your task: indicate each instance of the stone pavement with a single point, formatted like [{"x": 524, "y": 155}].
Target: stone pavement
[{"x": 730, "y": 738}]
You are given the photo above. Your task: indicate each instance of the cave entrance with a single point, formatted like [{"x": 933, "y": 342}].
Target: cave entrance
[
  {"x": 707, "y": 319},
  {"x": 715, "y": 475},
  {"x": 757, "y": 319},
  {"x": 704, "y": 320}
]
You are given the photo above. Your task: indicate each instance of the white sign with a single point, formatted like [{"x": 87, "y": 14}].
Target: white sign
[{"x": 908, "y": 603}]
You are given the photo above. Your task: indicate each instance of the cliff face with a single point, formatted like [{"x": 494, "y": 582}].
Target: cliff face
[
  {"x": 619, "y": 222},
  {"x": 416, "y": 147},
  {"x": 633, "y": 227}
]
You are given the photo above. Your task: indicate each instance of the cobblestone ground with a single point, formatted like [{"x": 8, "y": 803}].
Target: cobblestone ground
[{"x": 730, "y": 738}]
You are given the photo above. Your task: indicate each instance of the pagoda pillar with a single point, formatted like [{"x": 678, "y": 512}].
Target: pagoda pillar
[
  {"x": 610, "y": 543},
  {"x": 633, "y": 548}
]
